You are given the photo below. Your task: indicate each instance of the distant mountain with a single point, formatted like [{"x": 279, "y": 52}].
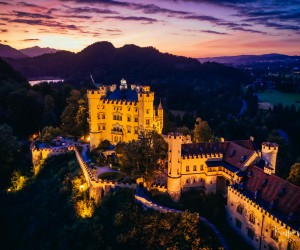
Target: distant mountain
[
  {"x": 168, "y": 75},
  {"x": 9, "y": 52},
  {"x": 37, "y": 51},
  {"x": 106, "y": 63},
  {"x": 250, "y": 59}
]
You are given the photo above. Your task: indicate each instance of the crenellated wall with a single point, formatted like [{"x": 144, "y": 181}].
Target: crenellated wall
[{"x": 269, "y": 232}]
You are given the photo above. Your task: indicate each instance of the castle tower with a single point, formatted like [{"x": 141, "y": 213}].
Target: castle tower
[
  {"x": 146, "y": 111},
  {"x": 160, "y": 113},
  {"x": 93, "y": 101},
  {"x": 269, "y": 152},
  {"x": 174, "y": 165}
]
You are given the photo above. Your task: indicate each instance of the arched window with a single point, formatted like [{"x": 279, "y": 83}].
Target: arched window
[{"x": 239, "y": 209}]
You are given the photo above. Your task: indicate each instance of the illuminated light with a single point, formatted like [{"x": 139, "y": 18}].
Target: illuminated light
[
  {"x": 9, "y": 189},
  {"x": 81, "y": 187}
]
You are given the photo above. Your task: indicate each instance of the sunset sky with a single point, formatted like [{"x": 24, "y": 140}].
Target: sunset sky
[{"x": 195, "y": 28}]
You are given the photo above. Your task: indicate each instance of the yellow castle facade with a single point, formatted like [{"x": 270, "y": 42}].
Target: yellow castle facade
[
  {"x": 119, "y": 113},
  {"x": 261, "y": 207}
]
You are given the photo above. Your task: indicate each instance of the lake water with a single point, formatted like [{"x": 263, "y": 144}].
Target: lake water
[{"x": 33, "y": 82}]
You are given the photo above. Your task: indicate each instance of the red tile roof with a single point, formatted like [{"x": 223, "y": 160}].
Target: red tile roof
[
  {"x": 235, "y": 153},
  {"x": 274, "y": 188}
]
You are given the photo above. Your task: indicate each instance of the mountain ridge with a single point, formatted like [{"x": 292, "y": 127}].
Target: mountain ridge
[
  {"x": 7, "y": 51},
  {"x": 37, "y": 51},
  {"x": 246, "y": 59}
]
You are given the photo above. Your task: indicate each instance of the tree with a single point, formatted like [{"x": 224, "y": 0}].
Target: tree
[
  {"x": 50, "y": 133},
  {"x": 82, "y": 116},
  {"x": 18, "y": 180},
  {"x": 49, "y": 116},
  {"x": 294, "y": 176},
  {"x": 8, "y": 153},
  {"x": 143, "y": 158},
  {"x": 68, "y": 117},
  {"x": 202, "y": 131}
]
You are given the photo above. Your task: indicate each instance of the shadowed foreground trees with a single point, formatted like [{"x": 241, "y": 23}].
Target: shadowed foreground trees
[{"x": 42, "y": 215}]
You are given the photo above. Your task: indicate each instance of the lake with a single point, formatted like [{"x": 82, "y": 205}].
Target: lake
[{"x": 33, "y": 82}]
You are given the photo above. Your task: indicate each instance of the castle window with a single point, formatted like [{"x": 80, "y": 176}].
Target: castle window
[
  {"x": 239, "y": 209},
  {"x": 129, "y": 129},
  {"x": 232, "y": 153},
  {"x": 250, "y": 233},
  {"x": 274, "y": 234},
  {"x": 128, "y": 108},
  {"x": 252, "y": 218},
  {"x": 103, "y": 127},
  {"x": 98, "y": 116},
  {"x": 147, "y": 121},
  {"x": 195, "y": 168},
  {"x": 99, "y": 127},
  {"x": 136, "y": 130},
  {"x": 147, "y": 111},
  {"x": 243, "y": 158},
  {"x": 292, "y": 245},
  {"x": 128, "y": 118},
  {"x": 201, "y": 167},
  {"x": 102, "y": 106},
  {"x": 238, "y": 223},
  {"x": 135, "y": 119},
  {"x": 136, "y": 110},
  {"x": 103, "y": 116},
  {"x": 187, "y": 168}
]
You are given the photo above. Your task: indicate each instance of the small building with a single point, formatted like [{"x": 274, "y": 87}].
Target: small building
[{"x": 118, "y": 114}]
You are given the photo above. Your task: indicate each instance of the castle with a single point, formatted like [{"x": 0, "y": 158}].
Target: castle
[
  {"x": 119, "y": 114},
  {"x": 261, "y": 207}
]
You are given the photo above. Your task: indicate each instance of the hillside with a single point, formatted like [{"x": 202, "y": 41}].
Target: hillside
[
  {"x": 108, "y": 64},
  {"x": 9, "y": 52},
  {"x": 37, "y": 51}
]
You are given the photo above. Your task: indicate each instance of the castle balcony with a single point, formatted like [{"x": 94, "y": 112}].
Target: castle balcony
[{"x": 116, "y": 132}]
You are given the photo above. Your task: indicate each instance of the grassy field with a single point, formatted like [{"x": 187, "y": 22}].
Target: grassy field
[{"x": 275, "y": 97}]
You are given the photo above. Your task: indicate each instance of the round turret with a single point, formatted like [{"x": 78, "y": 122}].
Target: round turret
[{"x": 174, "y": 165}]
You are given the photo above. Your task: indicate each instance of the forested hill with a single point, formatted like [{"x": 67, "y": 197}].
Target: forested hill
[{"x": 108, "y": 64}]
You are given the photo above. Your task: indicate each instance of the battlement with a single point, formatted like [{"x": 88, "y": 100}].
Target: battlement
[
  {"x": 270, "y": 145},
  {"x": 205, "y": 156},
  {"x": 174, "y": 135},
  {"x": 119, "y": 102}
]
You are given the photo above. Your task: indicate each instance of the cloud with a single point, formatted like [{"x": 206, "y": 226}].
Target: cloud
[
  {"x": 224, "y": 23},
  {"x": 214, "y": 32},
  {"x": 5, "y": 3},
  {"x": 133, "y": 18},
  {"x": 248, "y": 30},
  {"x": 30, "y": 40},
  {"x": 154, "y": 9},
  {"x": 89, "y": 10},
  {"x": 76, "y": 16},
  {"x": 104, "y": 2},
  {"x": 22, "y": 14},
  {"x": 39, "y": 22},
  {"x": 3, "y": 30},
  {"x": 24, "y": 4}
]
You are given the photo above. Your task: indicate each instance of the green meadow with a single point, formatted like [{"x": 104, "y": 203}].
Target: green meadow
[{"x": 275, "y": 97}]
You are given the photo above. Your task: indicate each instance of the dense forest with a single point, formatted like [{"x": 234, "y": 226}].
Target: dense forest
[{"x": 47, "y": 213}]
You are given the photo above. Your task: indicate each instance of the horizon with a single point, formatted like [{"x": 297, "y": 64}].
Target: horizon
[{"x": 191, "y": 28}]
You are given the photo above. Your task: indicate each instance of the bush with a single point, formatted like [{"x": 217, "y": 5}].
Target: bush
[{"x": 113, "y": 176}]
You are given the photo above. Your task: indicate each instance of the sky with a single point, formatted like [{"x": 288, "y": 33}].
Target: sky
[{"x": 193, "y": 28}]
